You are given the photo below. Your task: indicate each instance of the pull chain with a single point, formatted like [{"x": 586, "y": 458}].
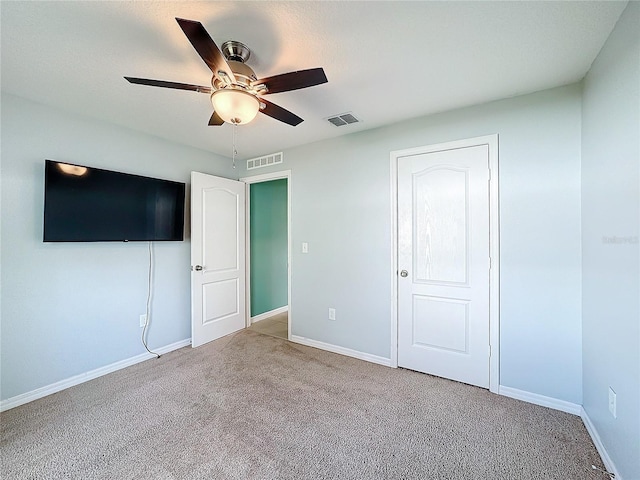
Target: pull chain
[{"x": 235, "y": 151}]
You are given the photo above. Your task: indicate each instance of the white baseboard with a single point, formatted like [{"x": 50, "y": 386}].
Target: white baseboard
[
  {"x": 270, "y": 313},
  {"x": 85, "y": 377},
  {"x": 608, "y": 463},
  {"x": 537, "y": 399},
  {"x": 341, "y": 350}
]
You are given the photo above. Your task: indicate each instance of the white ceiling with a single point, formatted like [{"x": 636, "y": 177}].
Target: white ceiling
[{"x": 386, "y": 61}]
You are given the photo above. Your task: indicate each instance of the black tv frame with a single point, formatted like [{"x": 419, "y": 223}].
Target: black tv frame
[{"x": 97, "y": 205}]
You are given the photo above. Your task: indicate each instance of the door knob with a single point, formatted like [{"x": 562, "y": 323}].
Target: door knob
[
  {"x": 404, "y": 273},
  {"x": 198, "y": 268}
]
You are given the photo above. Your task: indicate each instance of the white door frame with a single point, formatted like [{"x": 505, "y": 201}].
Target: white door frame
[
  {"x": 267, "y": 177},
  {"x": 494, "y": 247}
]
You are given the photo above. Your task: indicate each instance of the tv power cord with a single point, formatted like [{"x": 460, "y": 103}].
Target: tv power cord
[
  {"x": 146, "y": 316},
  {"x": 611, "y": 475}
]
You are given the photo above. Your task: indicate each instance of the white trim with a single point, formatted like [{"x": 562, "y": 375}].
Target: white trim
[
  {"x": 543, "y": 401},
  {"x": 494, "y": 246},
  {"x": 606, "y": 459},
  {"x": 247, "y": 254},
  {"x": 266, "y": 177},
  {"x": 367, "y": 357},
  {"x": 394, "y": 261},
  {"x": 269, "y": 314},
  {"x": 85, "y": 377},
  {"x": 494, "y": 270}
]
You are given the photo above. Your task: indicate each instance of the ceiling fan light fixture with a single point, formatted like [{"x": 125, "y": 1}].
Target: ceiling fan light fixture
[{"x": 235, "y": 106}]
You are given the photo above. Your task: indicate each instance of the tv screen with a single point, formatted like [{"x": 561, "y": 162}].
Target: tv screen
[{"x": 85, "y": 204}]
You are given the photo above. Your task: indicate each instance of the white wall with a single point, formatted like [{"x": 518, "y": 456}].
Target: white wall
[
  {"x": 341, "y": 206},
  {"x": 611, "y": 208},
  {"x": 69, "y": 308}
]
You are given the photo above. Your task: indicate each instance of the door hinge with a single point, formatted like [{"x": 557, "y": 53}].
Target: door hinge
[{"x": 490, "y": 263}]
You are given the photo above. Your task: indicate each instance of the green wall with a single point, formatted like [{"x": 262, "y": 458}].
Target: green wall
[{"x": 268, "y": 244}]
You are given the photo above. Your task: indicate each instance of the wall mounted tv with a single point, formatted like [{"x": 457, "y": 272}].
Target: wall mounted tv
[{"x": 85, "y": 204}]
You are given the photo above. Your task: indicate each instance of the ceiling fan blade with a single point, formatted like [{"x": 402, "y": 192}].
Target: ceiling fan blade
[
  {"x": 279, "y": 113},
  {"x": 293, "y": 80},
  {"x": 162, "y": 83},
  {"x": 206, "y": 47},
  {"x": 215, "y": 120}
]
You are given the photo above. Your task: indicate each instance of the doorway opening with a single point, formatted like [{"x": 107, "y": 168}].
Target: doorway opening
[{"x": 268, "y": 250}]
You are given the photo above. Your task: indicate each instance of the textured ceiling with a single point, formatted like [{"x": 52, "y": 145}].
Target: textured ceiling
[{"x": 385, "y": 61}]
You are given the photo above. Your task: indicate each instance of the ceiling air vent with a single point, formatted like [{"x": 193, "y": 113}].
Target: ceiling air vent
[
  {"x": 343, "y": 119},
  {"x": 265, "y": 161}
]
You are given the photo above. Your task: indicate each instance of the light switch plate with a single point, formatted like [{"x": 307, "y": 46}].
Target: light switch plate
[{"x": 612, "y": 403}]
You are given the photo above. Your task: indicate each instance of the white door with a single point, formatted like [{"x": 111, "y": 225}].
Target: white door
[
  {"x": 443, "y": 263},
  {"x": 217, "y": 257}
]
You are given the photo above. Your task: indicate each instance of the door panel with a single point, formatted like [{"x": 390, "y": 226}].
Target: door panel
[
  {"x": 219, "y": 300},
  {"x": 440, "y": 225},
  {"x": 441, "y": 323},
  {"x": 443, "y": 243},
  {"x": 217, "y": 257},
  {"x": 220, "y": 232}
]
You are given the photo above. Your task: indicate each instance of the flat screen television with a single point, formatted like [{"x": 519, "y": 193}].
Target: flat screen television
[{"x": 86, "y": 204}]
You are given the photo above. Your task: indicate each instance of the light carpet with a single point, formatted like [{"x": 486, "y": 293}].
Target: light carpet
[
  {"x": 250, "y": 406},
  {"x": 276, "y": 326}
]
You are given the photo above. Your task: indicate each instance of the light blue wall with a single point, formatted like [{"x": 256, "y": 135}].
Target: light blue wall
[
  {"x": 341, "y": 206},
  {"x": 269, "y": 245},
  {"x": 611, "y": 208},
  {"x": 71, "y": 308}
]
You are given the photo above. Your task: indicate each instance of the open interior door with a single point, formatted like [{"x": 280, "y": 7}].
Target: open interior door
[{"x": 217, "y": 257}]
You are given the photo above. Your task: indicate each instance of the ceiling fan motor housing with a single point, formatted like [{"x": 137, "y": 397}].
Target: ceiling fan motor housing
[
  {"x": 244, "y": 76},
  {"x": 236, "y": 54},
  {"x": 235, "y": 51}
]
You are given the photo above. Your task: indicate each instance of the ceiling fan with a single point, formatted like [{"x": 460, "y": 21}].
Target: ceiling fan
[{"x": 236, "y": 92}]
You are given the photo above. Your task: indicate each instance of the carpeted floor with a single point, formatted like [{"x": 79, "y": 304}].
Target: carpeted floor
[
  {"x": 276, "y": 326},
  {"x": 250, "y": 406}
]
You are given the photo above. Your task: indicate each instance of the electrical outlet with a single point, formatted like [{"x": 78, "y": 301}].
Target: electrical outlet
[
  {"x": 305, "y": 247},
  {"x": 143, "y": 320},
  {"x": 332, "y": 314},
  {"x": 612, "y": 403}
]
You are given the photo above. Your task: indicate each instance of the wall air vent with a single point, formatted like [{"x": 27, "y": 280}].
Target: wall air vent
[
  {"x": 343, "y": 119},
  {"x": 265, "y": 161}
]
